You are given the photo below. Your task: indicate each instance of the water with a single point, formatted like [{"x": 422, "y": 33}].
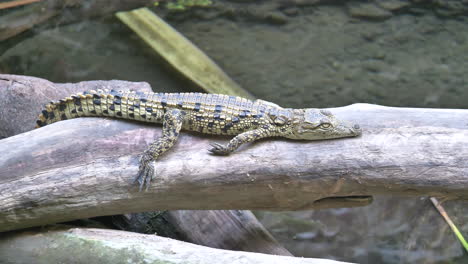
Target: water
[{"x": 298, "y": 54}]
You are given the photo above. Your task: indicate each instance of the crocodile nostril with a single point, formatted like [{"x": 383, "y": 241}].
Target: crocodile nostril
[{"x": 356, "y": 126}]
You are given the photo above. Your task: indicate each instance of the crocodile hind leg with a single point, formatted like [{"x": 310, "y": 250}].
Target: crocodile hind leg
[
  {"x": 240, "y": 139},
  {"x": 172, "y": 123}
]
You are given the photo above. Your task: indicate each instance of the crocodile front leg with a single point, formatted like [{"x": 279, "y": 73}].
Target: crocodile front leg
[
  {"x": 240, "y": 139},
  {"x": 172, "y": 123}
]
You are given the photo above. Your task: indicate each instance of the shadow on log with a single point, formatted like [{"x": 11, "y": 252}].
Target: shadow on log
[
  {"x": 84, "y": 167},
  {"x": 88, "y": 245}
]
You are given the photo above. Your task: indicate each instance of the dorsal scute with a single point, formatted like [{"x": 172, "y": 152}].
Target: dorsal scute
[{"x": 266, "y": 103}]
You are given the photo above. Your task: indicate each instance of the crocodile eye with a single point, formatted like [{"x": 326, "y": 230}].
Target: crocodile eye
[
  {"x": 325, "y": 125},
  {"x": 280, "y": 120}
]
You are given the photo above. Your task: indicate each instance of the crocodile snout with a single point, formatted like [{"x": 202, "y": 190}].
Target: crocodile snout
[{"x": 356, "y": 130}]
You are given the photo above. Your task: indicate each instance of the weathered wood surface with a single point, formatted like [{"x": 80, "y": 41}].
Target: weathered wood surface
[
  {"x": 88, "y": 245},
  {"x": 245, "y": 227}
]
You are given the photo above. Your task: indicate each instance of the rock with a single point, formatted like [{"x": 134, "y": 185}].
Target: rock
[
  {"x": 291, "y": 11},
  {"x": 451, "y": 8},
  {"x": 368, "y": 11},
  {"x": 276, "y": 18},
  {"x": 306, "y": 236},
  {"x": 392, "y": 5},
  {"x": 373, "y": 66}
]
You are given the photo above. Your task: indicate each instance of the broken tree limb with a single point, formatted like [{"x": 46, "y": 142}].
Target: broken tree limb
[
  {"x": 88, "y": 245},
  {"x": 16, "y": 3},
  {"x": 85, "y": 167}
]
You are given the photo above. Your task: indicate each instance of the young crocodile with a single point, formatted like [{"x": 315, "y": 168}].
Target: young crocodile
[{"x": 205, "y": 113}]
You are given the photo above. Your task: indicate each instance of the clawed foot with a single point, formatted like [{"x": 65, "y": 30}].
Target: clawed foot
[
  {"x": 219, "y": 149},
  {"x": 145, "y": 173}
]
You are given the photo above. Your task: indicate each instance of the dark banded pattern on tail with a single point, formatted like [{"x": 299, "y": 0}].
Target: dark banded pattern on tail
[{"x": 103, "y": 103}]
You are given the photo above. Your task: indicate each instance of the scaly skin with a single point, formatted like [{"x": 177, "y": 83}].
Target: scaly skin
[{"x": 205, "y": 113}]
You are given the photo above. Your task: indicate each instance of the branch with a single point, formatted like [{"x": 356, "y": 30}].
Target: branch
[
  {"x": 80, "y": 245},
  {"x": 84, "y": 167},
  {"x": 16, "y": 3}
]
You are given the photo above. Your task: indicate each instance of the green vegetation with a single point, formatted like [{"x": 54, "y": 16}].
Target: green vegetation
[{"x": 449, "y": 221}]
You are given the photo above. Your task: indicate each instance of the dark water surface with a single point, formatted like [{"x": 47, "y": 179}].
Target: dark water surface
[{"x": 299, "y": 54}]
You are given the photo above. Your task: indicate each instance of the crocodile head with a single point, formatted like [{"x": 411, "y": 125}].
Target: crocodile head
[{"x": 317, "y": 124}]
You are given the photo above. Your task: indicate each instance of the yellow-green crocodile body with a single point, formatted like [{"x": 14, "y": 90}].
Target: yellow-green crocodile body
[{"x": 206, "y": 113}]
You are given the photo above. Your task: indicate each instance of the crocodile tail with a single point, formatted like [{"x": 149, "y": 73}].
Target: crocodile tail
[
  {"x": 92, "y": 103},
  {"x": 50, "y": 113},
  {"x": 132, "y": 105}
]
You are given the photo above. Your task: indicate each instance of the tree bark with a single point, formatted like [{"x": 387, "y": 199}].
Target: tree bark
[
  {"x": 89, "y": 245},
  {"x": 84, "y": 167}
]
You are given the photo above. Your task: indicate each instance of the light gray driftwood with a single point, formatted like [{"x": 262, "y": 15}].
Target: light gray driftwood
[
  {"x": 85, "y": 167},
  {"x": 225, "y": 229},
  {"x": 88, "y": 245}
]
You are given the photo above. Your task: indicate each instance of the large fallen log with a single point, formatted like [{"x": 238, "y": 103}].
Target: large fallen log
[
  {"x": 84, "y": 167},
  {"x": 240, "y": 230},
  {"x": 88, "y": 245}
]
